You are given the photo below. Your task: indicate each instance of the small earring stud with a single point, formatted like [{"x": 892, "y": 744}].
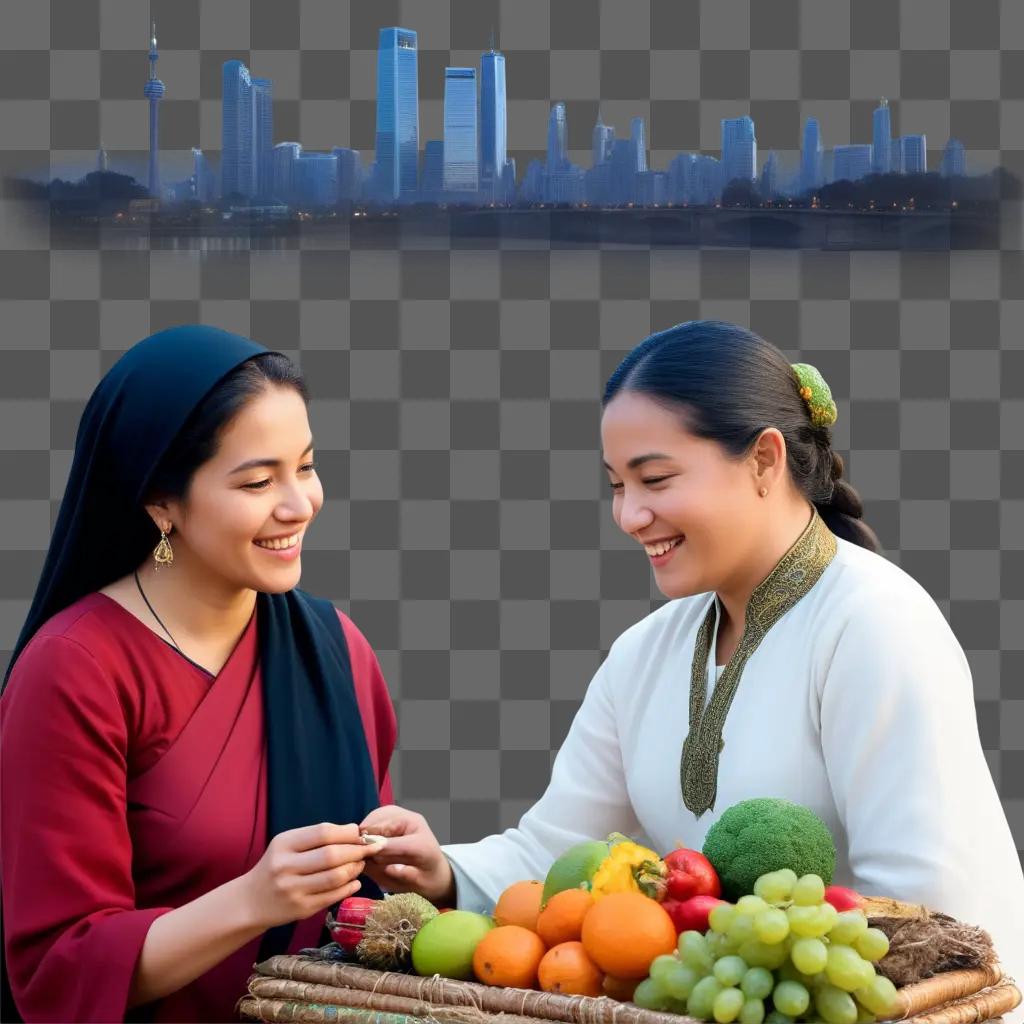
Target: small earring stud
[{"x": 763, "y": 492}]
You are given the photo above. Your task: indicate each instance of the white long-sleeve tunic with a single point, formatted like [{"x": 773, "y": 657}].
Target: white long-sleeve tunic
[{"x": 858, "y": 704}]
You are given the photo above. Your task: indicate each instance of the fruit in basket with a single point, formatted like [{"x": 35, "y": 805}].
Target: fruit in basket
[
  {"x": 508, "y": 955},
  {"x": 390, "y": 930},
  {"x": 569, "y": 971},
  {"x": 692, "y": 914},
  {"x": 615, "y": 865},
  {"x": 621, "y": 989},
  {"x": 562, "y": 919},
  {"x": 765, "y": 835},
  {"x": 380, "y": 932},
  {"x": 519, "y": 904},
  {"x": 445, "y": 945},
  {"x": 629, "y": 867},
  {"x": 843, "y": 898},
  {"x": 778, "y": 954},
  {"x": 690, "y": 874},
  {"x": 347, "y": 927},
  {"x": 625, "y": 931},
  {"x": 575, "y": 868}
]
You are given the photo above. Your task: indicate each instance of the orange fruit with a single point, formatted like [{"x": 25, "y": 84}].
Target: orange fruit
[
  {"x": 562, "y": 919},
  {"x": 567, "y": 970},
  {"x": 624, "y": 931},
  {"x": 621, "y": 989},
  {"x": 508, "y": 955},
  {"x": 520, "y": 904}
]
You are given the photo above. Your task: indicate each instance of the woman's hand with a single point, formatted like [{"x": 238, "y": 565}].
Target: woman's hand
[
  {"x": 411, "y": 860},
  {"x": 304, "y": 871}
]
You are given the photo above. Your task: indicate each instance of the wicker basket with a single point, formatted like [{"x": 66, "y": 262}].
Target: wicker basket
[{"x": 316, "y": 988}]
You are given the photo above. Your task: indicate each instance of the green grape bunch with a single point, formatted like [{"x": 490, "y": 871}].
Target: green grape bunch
[{"x": 781, "y": 954}]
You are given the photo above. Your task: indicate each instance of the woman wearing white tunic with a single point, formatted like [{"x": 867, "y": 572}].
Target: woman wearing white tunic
[{"x": 793, "y": 661}]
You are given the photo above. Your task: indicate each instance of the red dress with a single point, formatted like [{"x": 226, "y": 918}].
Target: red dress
[{"x": 131, "y": 782}]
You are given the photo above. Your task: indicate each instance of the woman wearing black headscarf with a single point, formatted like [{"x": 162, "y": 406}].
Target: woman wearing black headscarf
[{"x": 187, "y": 737}]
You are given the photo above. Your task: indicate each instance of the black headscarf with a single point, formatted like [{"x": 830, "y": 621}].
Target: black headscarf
[{"x": 318, "y": 762}]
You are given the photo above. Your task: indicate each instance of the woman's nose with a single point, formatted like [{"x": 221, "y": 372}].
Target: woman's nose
[{"x": 634, "y": 515}]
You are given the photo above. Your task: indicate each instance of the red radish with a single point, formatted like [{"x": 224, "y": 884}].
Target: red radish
[
  {"x": 842, "y": 898},
  {"x": 692, "y": 914},
  {"x": 347, "y": 928},
  {"x": 690, "y": 874}
]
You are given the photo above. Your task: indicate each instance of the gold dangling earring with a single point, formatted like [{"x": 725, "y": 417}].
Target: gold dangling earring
[{"x": 162, "y": 554}]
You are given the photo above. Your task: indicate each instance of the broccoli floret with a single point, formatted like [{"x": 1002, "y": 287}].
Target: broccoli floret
[{"x": 756, "y": 836}]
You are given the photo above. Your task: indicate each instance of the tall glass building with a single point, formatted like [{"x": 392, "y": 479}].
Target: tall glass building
[
  {"x": 811, "y": 157},
  {"x": 238, "y": 168},
  {"x": 350, "y": 173},
  {"x": 912, "y": 154},
  {"x": 493, "y": 122},
  {"x": 558, "y": 142},
  {"x": 263, "y": 134},
  {"x": 283, "y": 161},
  {"x": 601, "y": 141},
  {"x": 954, "y": 159},
  {"x": 851, "y": 162},
  {"x": 461, "y": 171},
  {"x": 881, "y": 139},
  {"x": 638, "y": 137},
  {"x": 398, "y": 134},
  {"x": 739, "y": 149}
]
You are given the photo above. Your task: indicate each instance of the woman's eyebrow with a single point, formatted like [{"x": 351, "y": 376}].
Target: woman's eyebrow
[
  {"x": 269, "y": 463},
  {"x": 639, "y": 460}
]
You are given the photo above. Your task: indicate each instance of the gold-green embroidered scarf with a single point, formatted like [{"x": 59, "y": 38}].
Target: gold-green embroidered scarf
[{"x": 798, "y": 571}]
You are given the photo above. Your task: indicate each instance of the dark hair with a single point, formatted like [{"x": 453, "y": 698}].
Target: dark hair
[
  {"x": 730, "y": 385},
  {"x": 199, "y": 437}
]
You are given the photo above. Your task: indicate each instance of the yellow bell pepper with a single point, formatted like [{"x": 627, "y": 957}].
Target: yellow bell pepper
[{"x": 629, "y": 867}]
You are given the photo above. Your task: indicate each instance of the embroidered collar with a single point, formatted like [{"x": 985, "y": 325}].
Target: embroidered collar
[{"x": 790, "y": 580}]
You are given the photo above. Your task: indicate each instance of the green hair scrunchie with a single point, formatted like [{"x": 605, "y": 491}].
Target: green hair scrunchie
[{"x": 817, "y": 394}]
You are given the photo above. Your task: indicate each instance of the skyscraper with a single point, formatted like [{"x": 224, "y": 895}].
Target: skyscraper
[
  {"x": 770, "y": 176},
  {"x": 739, "y": 149},
  {"x": 432, "y": 174},
  {"x": 154, "y": 92},
  {"x": 238, "y": 130},
  {"x": 558, "y": 145},
  {"x": 202, "y": 177},
  {"x": 398, "y": 135},
  {"x": 601, "y": 141},
  {"x": 102, "y": 160},
  {"x": 912, "y": 154},
  {"x": 811, "y": 169},
  {"x": 638, "y": 138},
  {"x": 263, "y": 135},
  {"x": 350, "y": 173},
  {"x": 954, "y": 159},
  {"x": 493, "y": 123},
  {"x": 283, "y": 162},
  {"x": 461, "y": 171},
  {"x": 851, "y": 162},
  {"x": 881, "y": 139}
]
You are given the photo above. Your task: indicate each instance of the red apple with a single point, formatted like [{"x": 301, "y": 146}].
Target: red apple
[
  {"x": 842, "y": 898},
  {"x": 690, "y": 874},
  {"x": 692, "y": 914}
]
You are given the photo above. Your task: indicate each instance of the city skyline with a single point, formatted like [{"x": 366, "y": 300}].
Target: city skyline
[{"x": 402, "y": 162}]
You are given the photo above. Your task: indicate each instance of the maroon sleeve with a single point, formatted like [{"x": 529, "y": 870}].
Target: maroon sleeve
[
  {"x": 71, "y": 929},
  {"x": 375, "y": 705}
]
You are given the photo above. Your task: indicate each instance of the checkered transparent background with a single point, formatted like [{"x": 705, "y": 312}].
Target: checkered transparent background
[{"x": 467, "y": 526}]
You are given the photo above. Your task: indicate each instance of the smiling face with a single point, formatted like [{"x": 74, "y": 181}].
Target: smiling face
[
  {"x": 261, "y": 484},
  {"x": 671, "y": 486}
]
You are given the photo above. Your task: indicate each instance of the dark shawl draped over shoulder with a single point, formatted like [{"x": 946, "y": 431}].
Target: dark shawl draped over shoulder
[{"x": 319, "y": 767}]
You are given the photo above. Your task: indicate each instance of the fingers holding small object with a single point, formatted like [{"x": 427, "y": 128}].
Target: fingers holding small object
[{"x": 373, "y": 840}]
